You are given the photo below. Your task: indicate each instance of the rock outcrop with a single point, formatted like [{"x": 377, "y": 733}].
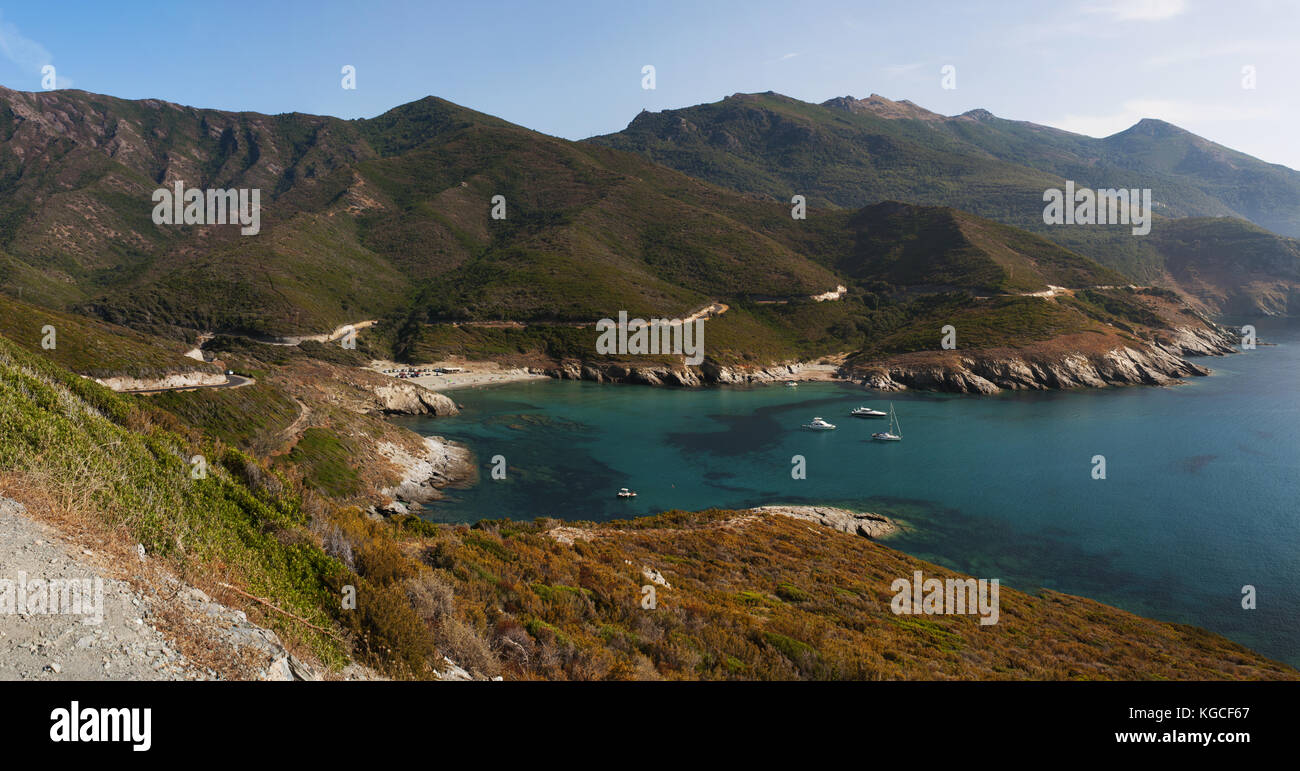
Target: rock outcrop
[
  {"x": 860, "y": 523},
  {"x": 439, "y": 464},
  {"x": 708, "y": 373},
  {"x": 231, "y": 628},
  {"x": 400, "y": 398},
  {"x": 1158, "y": 362},
  {"x": 654, "y": 576}
]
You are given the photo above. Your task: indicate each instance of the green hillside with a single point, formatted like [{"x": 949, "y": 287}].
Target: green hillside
[
  {"x": 361, "y": 218},
  {"x": 916, "y": 246},
  {"x": 1232, "y": 266},
  {"x": 391, "y": 219},
  {"x": 511, "y": 599},
  {"x": 77, "y": 450},
  {"x": 91, "y": 347},
  {"x": 851, "y": 152}
]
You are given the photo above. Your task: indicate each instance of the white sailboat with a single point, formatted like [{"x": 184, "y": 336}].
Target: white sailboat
[{"x": 895, "y": 432}]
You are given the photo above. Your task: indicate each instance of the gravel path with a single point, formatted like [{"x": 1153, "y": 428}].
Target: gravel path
[
  {"x": 40, "y": 645},
  {"x": 126, "y": 643}
]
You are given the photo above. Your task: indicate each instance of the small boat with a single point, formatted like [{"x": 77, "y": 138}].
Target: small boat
[
  {"x": 623, "y": 492},
  {"x": 818, "y": 424},
  {"x": 791, "y": 384},
  {"x": 867, "y": 412},
  {"x": 895, "y": 432}
]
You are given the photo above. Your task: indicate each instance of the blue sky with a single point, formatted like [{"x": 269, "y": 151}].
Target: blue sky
[{"x": 573, "y": 69}]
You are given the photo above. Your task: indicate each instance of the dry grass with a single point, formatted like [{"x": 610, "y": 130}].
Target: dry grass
[{"x": 772, "y": 598}]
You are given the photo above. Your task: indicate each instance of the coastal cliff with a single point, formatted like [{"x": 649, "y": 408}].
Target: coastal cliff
[
  {"x": 1158, "y": 362},
  {"x": 1076, "y": 362},
  {"x": 708, "y": 373},
  {"x": 424, "y": 472}
]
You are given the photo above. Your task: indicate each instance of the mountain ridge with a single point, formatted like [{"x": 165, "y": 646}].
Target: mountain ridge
[
  {"x": 389, "y": 218},
  {"x": 847, "y": 153}
]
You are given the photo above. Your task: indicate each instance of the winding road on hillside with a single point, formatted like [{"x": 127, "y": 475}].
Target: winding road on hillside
[
  {"x": 239, "y": 381},
  {"x": 1052, "y": 290},
  {"x": 232, "y": 381}
]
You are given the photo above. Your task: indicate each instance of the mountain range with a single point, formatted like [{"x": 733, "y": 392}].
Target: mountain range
[
  {"x": 306, "y": 484},
  {"x": 849, "y": 152},
  {"x": 916, "y": 216}
]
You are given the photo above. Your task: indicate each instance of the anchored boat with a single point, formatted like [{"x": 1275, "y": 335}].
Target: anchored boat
[
  {"x": 895, "y": 432},
  {"x": 867, "y": 412}
]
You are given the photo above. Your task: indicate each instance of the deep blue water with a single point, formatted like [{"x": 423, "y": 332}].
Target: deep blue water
[{"x": 1201, "y": 496}]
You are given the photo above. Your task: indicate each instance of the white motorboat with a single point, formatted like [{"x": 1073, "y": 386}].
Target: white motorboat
[
  {"x": 895, "y": 432},
  {"x": 819, "y": 424},
  {"x": 867, "y": 412},
  {"x": 623, "y": 492},
  {"x": 791, "y": 384}
]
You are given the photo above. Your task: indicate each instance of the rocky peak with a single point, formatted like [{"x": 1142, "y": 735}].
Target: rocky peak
[
  {"x": 1153, "y": 127},
  {"x": 883, "y": 107}
]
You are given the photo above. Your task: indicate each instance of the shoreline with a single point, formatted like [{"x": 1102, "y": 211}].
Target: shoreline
[
  {"x": 1063, "y": 363},
  {"x": 487, "y": 373},
  {"x": 473, "y": 375},
  {"x": 454, "y": 381}
]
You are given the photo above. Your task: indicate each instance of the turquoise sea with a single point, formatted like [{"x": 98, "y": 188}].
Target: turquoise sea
[{"x": 1201, "y": 495}]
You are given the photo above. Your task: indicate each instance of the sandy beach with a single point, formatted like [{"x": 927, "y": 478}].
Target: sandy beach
[
  {"x": 814, "y": 372},
  {"x": 484, "y": 373},
  {"x": 474, "y": 373}
]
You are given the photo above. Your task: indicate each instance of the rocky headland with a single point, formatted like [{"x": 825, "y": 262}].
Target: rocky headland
[
  {"x": 438, "y": 464},
  {"x": 861, "y": 523},
  {"x": 1071, "y": 362}
]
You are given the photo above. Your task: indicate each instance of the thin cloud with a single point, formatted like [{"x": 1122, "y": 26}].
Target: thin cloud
[
  {"x": 1188, "y": 55},
  {"x": 1100, "y": 19},
  {"x": 1139, "y": 10},
  {"x": 895, "y": 70},
  {"x": 28, "y": 54},
  {"x": 1180, "y": 113}
]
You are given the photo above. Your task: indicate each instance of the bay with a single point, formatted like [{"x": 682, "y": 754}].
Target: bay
[{"x": 1199, "y": 499}]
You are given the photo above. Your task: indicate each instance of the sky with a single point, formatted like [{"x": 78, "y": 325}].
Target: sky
[{"x": 574, "y": 69}]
